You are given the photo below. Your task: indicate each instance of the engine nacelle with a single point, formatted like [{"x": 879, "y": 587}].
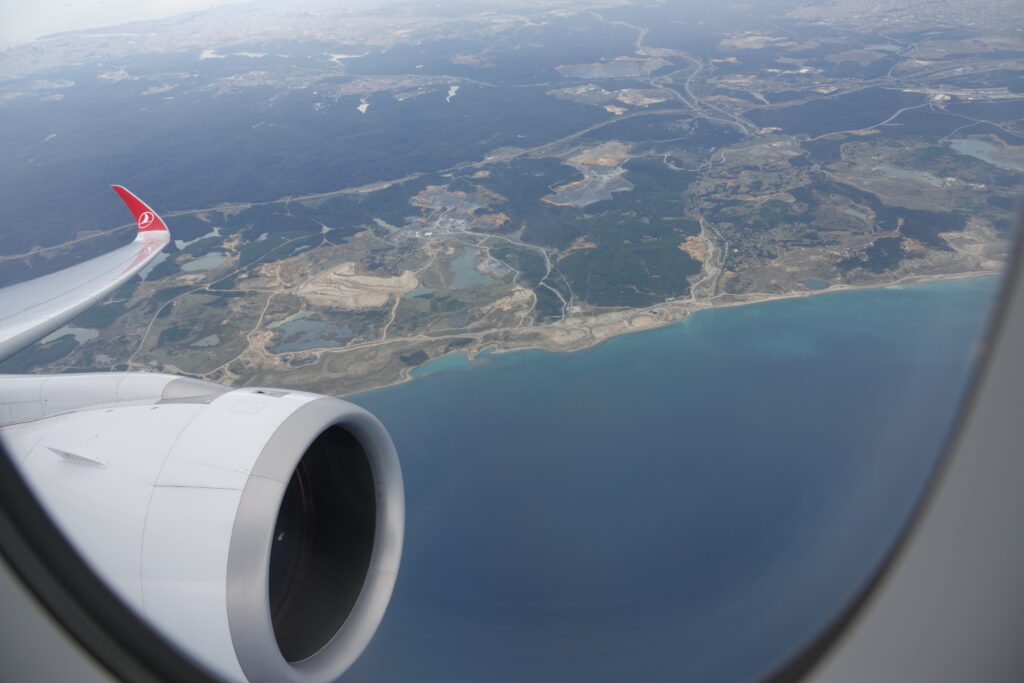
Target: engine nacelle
[{"x": 259, "y": 529}]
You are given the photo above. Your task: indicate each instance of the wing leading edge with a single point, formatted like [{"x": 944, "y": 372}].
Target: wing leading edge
[{"x": 33, "y": 309}]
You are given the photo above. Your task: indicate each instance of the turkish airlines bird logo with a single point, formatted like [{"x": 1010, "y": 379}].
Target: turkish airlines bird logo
[{"x": 146, "y": 219}]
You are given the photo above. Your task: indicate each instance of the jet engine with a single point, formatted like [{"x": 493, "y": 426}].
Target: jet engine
[{"x": 258, "y": 529}]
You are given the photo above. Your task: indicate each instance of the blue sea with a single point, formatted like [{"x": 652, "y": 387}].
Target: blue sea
[{"x": 688, "y": 503}]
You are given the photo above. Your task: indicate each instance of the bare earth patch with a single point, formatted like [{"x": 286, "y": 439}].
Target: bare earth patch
[
  {"x": 695, "y": 247},
  {"x": 609, "y": 154},
  {"x": 340, "y": 287}
]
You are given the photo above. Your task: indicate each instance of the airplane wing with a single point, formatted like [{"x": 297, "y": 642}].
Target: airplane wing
[{"x": 31, "y": 310}]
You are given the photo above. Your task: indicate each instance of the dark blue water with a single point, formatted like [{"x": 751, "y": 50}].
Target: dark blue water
[{"x": 689, "y": 503}]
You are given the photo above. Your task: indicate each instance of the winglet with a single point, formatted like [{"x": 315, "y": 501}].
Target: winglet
[{"x": 145, "y": 217}]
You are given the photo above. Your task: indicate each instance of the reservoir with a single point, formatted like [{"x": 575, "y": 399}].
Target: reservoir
[
  {"x": 207, "y": 261},
  {"x": 987, "y": 152},
  {"x": 688, "y": 503},
  {"x": 465, "y": 272}
]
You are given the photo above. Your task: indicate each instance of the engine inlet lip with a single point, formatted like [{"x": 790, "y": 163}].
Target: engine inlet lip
[{"x": 248, "y": 567}]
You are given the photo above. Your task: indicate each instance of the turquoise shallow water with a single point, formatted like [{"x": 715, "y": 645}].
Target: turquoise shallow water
[
  {"x": 688, "y": 503},
  {"x": 450, "y": 361},
  {"x": 457, "y": 360}
]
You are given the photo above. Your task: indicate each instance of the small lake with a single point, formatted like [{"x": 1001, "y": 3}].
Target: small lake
[
  {"x": 465, "y": 272},
  {"x": 182, "y": 244},
  {"x": 205, "y": 262},
  {"x": 81, "y": 334},
  {"x": 987, "y": 152},
  {"x": 207, "y": 341}
]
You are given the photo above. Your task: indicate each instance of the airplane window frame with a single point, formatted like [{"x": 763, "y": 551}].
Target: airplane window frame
[
  {"x": 131, "y": 649},
  {"x": 1010, "y": 295}
]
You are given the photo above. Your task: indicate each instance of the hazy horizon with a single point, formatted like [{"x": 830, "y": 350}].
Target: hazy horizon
[{"x": 25, "y": 22}]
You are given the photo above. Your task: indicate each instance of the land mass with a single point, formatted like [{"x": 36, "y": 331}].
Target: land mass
[{"x": 418, "y": 196}]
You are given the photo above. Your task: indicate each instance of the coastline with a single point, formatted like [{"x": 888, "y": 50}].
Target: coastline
[
  {"x": 573, "y": 335},
  {"x": 820, "y": 411}
]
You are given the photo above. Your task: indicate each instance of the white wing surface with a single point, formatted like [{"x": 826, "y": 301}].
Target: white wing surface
[{"x": 31, "y": 310}]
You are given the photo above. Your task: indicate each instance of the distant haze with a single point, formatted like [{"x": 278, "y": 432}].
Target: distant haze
[{"x": 24, "y": 22}]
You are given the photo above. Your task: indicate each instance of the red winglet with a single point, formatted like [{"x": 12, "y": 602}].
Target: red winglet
[{"x": 145, "y": 217}]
